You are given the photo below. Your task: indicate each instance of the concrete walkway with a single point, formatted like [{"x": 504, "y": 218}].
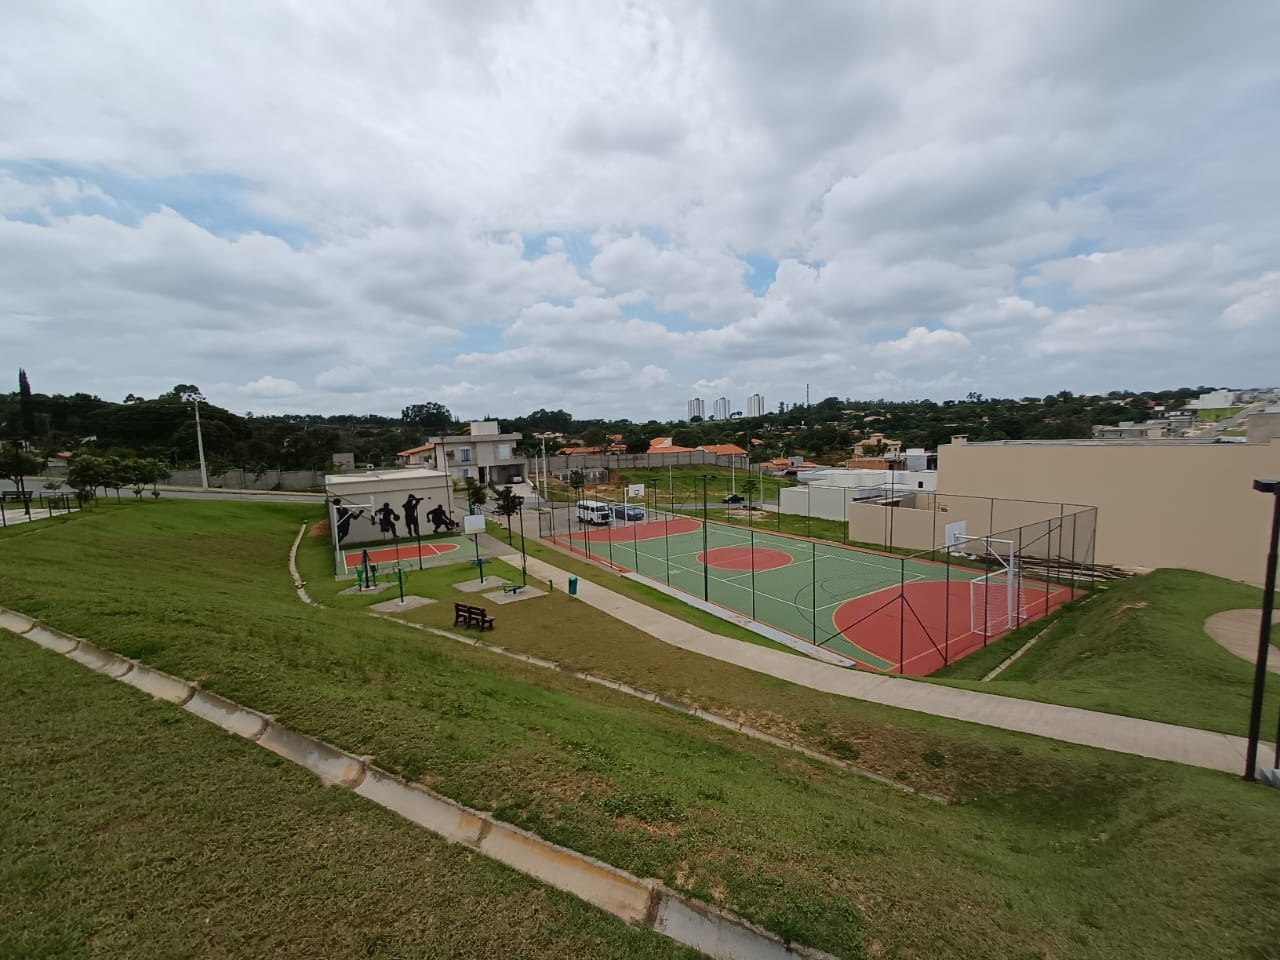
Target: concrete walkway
[
  {"x": 1237, "y": 631},
  {"x": 1145, "y": 738}
]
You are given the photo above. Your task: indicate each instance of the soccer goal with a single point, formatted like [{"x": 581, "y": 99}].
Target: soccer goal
[{"x": 996, "y": 599}]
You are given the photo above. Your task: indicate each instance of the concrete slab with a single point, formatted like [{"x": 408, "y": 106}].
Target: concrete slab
[
  {"x": 367, "y": 591},
  {"x": 393, "y": 606},
  {"x": 526, "y": 593},
  {"x": 1237, "y": 632},
  {"x": 475, "y": 586}
]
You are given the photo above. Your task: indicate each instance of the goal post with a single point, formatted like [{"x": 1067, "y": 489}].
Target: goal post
[{"x": 995, "y": 598}]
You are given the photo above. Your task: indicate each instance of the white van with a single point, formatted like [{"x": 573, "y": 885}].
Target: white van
[{"x": 593, "y": 512}]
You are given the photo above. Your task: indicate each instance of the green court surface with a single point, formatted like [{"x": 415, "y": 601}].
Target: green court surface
[{"x": 887, "y": 613}]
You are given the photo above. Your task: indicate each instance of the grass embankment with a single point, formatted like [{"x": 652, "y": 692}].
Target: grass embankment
[
  {"x": 1055, "y": 850},
  {"x": 1216, "y": 414},
  {"x": 129, "y": 828},
  {"x": 1137, "y": 648}
]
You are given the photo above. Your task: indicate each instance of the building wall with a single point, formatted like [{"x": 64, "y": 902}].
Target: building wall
[
  {"x": 1160, "y": 504},
  {"x": 1262, "y": 427}
]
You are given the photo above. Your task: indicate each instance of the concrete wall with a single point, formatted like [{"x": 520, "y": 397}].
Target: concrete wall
[
  {"x": 1160, "y": 504},
  {"x": 829, "y": 503},
  {"x": 1262, "y": 427},
  {"x": 245, "y": 480}
]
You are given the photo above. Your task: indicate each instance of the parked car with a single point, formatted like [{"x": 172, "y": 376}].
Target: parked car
[
  {"x": 628, "y": 512},
  {"x": 733, "y": 498},
  {"x": 517, "y": 479}
]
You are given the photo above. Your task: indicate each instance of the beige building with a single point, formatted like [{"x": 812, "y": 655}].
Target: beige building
[
  {"x": 1161, "y": 503},
  {"x": 485, "y": 453}
]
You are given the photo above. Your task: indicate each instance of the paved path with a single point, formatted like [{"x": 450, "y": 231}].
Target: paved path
[
  {"x": 1237, "y": 630},
  {"x": 1146, "y": 738}
]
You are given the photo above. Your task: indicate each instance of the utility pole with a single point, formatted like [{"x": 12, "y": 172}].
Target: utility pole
[{"x": 204, "y": 473}]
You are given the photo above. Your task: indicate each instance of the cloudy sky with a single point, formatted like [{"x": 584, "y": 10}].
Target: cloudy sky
[{"x": 613, "y": 206}]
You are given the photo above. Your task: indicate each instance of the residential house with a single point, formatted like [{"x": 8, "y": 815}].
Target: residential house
[{"x": 484, "y": 453}]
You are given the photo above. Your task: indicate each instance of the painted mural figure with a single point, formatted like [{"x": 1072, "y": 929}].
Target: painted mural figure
[
  {"x": 386, "y": 519},
  {"x": 410, "y": 507},
  {"x": 439, "y": 519},
  {"x": 343, "y": 515}
]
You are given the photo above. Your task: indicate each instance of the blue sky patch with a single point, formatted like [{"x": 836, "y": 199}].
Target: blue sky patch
[{"x": 216, "y": 202}]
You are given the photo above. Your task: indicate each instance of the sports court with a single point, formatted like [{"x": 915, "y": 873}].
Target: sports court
[
  {"x": 881, "y": 611},
  {"x": 406, "y": 551}
]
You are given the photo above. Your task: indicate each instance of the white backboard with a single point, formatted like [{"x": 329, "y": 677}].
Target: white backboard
[
  {"x": 955, "y": 533},
  {"x": 473, "y": 523},
  {"x": 636, "y": 490}
]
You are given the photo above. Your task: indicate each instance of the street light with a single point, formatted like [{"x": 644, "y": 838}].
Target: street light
[
  {"x": 1264, "y": 632},
  {"x": 706, "y": 565}
]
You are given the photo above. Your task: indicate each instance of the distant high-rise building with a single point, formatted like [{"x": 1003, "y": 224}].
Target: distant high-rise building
[
  {"x": 696, "y": 408},
  {"x": 722, "y": 408},
  {"x": 755, "y": 405}
]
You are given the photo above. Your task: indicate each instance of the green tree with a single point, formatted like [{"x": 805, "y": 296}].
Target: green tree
[
  {"x": 85, "y": 473},
  {"x": 428, "y": 418},
  {"x": 114, "y": 475},
  {"x": 477, "y": 495},
  {"x": 592, "y": 437},
  {"x": 508, "y": 503},
  {"x": 17, "y": 464},
  {"x": 26, "y": 407},
  {"x": 636, "y": 443}
]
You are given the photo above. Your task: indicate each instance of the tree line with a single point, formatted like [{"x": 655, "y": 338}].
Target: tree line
[{"x": 161, "y": 430}]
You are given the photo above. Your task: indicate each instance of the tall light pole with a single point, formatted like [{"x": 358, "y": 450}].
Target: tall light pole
[
  {"x": 1264, "y": 632},
  {"x": 204, "y": 473},
  {"x": 706, "y": 561}
]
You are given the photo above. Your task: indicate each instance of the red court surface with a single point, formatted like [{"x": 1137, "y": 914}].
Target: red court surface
[
  {"x": 406, "y": 551},
  {"x": 649, "y": 530},
  {"x": 740, "y": 559},
  {"x": 928, "y": 625}
]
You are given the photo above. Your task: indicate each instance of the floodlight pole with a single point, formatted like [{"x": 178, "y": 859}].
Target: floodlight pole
[
  {"x": 1264, "y": 632},
  {"x": 706, "y": 561},
  {"x": 524, "y": 565},
  {"x": 204, "y": 473}
]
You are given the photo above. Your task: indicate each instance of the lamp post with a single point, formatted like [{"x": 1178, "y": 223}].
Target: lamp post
[
  {"x": 1264, "y": 632},
  {"x": 706, "y": 564}
]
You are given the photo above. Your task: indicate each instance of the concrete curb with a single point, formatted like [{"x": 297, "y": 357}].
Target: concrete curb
[
  {"x": 418, "y": 805},
  {"x": 298, "y": 583},
  {"x": 642, "y": 902},
  {"x": 159, "y": 685},
  {"x": 227, "y": 714},
  {"x": 102, "y": 661},
  {"x": 54, "y": 640},
  {"x": 612, "y": 890},
  {"x": 15, "y": 622},
  {"x": 330, "y": 764},
  {"x": 677, "y": 706}
]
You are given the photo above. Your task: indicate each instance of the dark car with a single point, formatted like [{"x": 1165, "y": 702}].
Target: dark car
[
  {"x": 733, "y": 498},
  {"x": 628, "y": 512}
]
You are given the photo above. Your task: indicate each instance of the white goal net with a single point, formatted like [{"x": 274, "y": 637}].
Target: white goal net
[{"x": 996, "y": 600}]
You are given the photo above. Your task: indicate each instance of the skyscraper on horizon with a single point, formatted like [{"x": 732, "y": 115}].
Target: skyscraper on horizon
[
  {"x": 696, "y": 408},
  {"x": 722, "y": 408},
  {"x": 755, "y": 405}
]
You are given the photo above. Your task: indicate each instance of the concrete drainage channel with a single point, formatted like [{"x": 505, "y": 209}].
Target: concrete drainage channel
[{"x": 639, "y": 901}]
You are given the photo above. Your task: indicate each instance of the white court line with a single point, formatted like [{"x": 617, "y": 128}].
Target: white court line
[{"x": 733, "y": 582}]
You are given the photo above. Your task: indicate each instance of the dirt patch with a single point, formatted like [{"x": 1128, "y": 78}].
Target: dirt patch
[{"x": 320, "y": 529}]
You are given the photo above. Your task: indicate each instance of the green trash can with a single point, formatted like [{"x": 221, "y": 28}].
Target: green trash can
[{"x": 573, "y": 586}]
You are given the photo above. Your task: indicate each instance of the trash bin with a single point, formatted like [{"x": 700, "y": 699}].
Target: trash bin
[{"x": 573, "y": 586}]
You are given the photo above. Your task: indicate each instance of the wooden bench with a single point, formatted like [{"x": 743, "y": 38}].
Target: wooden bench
[
  {"x": 17, "y": 496},
  {"x": 465, "y": 615},
  {"x": 513, "y": 588}
]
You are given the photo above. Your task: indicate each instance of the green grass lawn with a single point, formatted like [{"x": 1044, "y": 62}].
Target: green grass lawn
[
  {"x": 1052, "y": 850},
  {"x": 1137, "y": 648},
  {"x": 129, "y": 828},
  {"x": 1215, "y": 414},
  {"x": 686, "y": 482}
]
